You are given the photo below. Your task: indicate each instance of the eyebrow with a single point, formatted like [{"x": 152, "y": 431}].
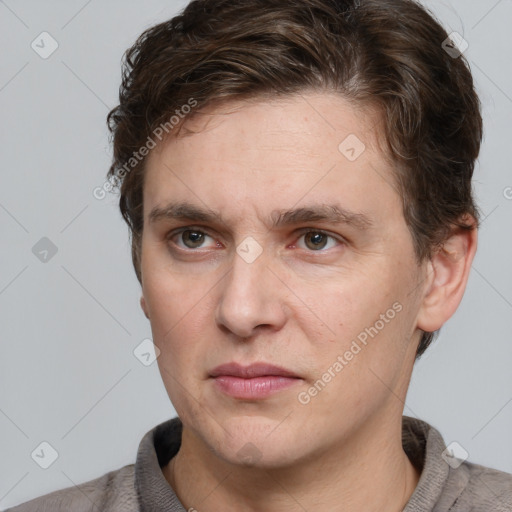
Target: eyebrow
[{"x": 325, "y": 213}]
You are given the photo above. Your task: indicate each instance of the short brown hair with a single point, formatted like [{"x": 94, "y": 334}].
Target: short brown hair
[{"x": 383, "y": 53}]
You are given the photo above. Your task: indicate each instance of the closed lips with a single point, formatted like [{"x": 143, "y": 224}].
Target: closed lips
[{"x": 251, "y": 371}]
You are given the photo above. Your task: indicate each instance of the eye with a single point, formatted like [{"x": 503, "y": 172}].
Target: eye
[
  {"x": 189, "y": 238},
  {"x": 318, "y": 240}
]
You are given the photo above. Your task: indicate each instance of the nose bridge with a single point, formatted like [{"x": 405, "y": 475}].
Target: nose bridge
[{"x": 248, "y": 299}]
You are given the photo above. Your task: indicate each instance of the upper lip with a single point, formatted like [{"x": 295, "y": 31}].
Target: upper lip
[{"x": 253, "y": 370}]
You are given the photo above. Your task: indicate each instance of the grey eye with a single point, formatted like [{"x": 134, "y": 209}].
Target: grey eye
[
  {"x": 317, "y": 240},
  {"x": 191, "y": 238}
]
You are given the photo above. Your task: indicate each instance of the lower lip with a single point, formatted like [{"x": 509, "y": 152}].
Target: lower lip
[{"x": 253, "y": 388}]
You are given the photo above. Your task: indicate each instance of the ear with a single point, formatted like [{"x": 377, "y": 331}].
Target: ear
[
  {"x": 144, "y": 306},
  {"x": 447, "y": 276}
]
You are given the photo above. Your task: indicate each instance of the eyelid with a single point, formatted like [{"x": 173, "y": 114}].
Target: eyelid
[
  {"x": 298, "y": 233},
  {"x": 174, "y": 232},
  {"x": 338, "y": 238},
  {"x": 177, "y": 231},
  {"x": 301, "y": 231}
]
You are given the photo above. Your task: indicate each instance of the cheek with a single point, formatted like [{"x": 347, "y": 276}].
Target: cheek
[
  {"x": 343, "y": 307},
  {"x": 178, "y": 307},
  {"x": 179, "y": 331},
  {"x": 170, "y": 294},
  {"x": 357, "y": 323}
]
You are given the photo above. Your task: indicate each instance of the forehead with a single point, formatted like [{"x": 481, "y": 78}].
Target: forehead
[
  {"x": 274, "y": 120},
  {"x": 271, "y": 153}
]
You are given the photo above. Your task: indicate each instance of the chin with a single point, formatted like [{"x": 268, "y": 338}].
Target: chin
[{"x": 254, "y": 441}]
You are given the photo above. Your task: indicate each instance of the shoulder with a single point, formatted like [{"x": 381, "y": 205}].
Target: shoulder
[
  {"x": 111, "y": 492},
  {"x": 482, "y": 489}
]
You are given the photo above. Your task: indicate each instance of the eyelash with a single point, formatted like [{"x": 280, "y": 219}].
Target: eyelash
[{"x": 301, "y": 232}]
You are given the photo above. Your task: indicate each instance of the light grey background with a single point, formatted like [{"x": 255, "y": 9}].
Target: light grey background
[{"x": 69, "y": 326}]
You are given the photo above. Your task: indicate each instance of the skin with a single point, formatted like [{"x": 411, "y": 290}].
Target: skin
[{"x": 296, "y": 305}]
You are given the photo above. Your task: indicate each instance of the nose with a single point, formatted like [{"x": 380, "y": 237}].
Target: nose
[{"x": 251, "y": 298}]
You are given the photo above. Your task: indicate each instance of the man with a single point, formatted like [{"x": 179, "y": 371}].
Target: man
[{"x": 297, "y": 181}]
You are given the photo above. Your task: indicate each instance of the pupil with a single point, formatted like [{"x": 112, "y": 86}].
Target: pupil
[
  {"x": 194, "y": 237},
  {"x": 317, "y": 239}
]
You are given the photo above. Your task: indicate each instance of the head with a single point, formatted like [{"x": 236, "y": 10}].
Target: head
[{"x": 246, "y": 109}]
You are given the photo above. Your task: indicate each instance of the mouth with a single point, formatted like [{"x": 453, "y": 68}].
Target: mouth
[{"x": 253, "y": 382}]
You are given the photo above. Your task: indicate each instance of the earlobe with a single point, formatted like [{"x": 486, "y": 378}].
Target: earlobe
[
  {"x": 448, "y": 273},
  {"x": 143, "y": 306}
]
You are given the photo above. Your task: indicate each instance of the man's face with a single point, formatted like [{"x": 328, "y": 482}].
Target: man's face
[{"x": 332, "y": 302}]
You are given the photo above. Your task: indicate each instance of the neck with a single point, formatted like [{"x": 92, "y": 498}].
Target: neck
[{"x": 370, "y": 471}]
